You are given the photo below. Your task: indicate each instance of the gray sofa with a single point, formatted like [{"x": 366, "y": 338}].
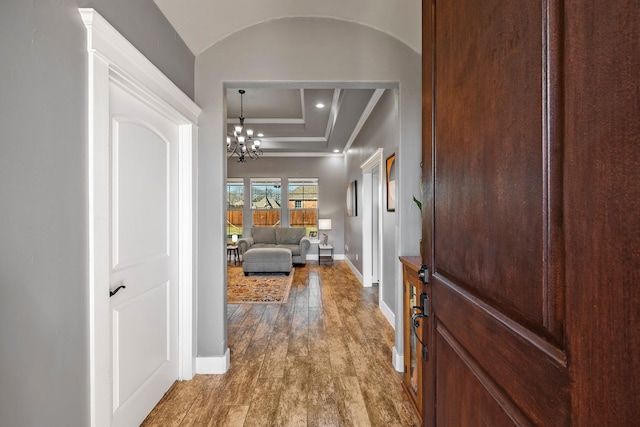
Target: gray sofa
[{"x": 291, "y": 238}]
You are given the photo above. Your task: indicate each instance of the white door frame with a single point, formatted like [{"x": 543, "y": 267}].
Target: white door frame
[
  {"x": 373, "y": 163},
  {"x": 112, "y": 58}
]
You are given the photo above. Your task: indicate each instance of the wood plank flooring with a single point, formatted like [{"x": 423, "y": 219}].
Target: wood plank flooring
[{"x": 321, "y": 359}]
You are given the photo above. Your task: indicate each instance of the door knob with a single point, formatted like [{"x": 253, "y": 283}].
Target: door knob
[{"x": 120, "y": 285}]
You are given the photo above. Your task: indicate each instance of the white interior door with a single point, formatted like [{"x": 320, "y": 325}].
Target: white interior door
[
  {"x": 144, "y": 256},
  {"x": 135, "y": 237},
  {"x": 372, "y": 220},
  {"x": 372, "y": 235}
]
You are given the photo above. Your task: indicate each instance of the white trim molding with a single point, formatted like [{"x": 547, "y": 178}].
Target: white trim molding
[
  {"x": 388, "y": 313},
  {"x": 108, "y": 43},
  {"x": 213, "y": 365},
  {"x": 353, "y": 268},
  {"x": 363, "y": 118},
  {"x": 397, "y": 360},
  {"x": 113, "y": 60},
  {"x": 375, "y": 161},
  {"x": 188, "y": 139}
]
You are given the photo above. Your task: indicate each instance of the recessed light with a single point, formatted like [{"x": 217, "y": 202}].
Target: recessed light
[
  {"x": 260, "y": 135},
  {"x": 319, "y": 105},
  {"x": 336, "y": 151}
]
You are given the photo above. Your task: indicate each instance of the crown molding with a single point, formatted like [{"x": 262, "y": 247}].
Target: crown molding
[{"x": 106, "y": 42}]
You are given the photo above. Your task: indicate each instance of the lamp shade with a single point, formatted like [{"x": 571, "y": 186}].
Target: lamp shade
[
  {"x": 234, "y": 238},
  {"x": 324, "y": 224}
]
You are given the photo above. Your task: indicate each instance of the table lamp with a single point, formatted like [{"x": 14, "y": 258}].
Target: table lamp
[
  {"x": 324, "y": 225},
  {"x": 234, "y": 238}
]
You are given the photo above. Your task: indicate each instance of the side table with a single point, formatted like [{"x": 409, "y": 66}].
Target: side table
[
  {"x": 232, "y": 251},
  {"x": 326, "y": 258}
]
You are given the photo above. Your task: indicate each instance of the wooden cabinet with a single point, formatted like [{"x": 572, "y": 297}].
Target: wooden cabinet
[{"x": 416, "y": 331}]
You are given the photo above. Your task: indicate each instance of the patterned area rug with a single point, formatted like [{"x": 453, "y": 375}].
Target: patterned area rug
[{"x": 257, "y": 288}]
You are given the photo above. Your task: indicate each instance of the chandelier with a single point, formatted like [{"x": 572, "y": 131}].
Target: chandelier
[{"x": 240, "y": 143}]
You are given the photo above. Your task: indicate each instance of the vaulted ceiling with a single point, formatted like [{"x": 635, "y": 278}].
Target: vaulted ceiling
[
  {"x": 287, "y": 115},
  {"x": 202, "y": 23}
]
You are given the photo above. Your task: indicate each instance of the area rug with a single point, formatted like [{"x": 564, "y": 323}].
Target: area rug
[{"x": 257, "y": 288}]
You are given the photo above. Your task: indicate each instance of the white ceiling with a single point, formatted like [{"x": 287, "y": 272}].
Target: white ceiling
[
  {"x": 291, "y": 122},
  {"x": 287, "y": 115},
  {"x": 202, "y": 23}
]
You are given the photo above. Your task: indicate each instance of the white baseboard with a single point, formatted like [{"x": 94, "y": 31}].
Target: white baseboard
[
  {"x": 313, "y": 257},
  {"x": 354, "y": 270},
  {"x": 397, "y": 360},
  {"x": 388, "y": 313},
  {"x": 213, "y": 365}
]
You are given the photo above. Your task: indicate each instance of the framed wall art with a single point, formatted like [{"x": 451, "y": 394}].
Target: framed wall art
[
  {"x": 391, "y": 183},
  {"x": 352, "y": 199}
]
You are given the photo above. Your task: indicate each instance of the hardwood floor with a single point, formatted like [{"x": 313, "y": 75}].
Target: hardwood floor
[{"x": 321, "y": 359}]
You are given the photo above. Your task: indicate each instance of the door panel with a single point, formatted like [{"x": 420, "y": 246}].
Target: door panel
[
  {"x": 498, "y": 297},
  {"x": 140, "y": 329},
  {"x": 139, "y": 194},
  {"x": 484, "y": 403},
  {"x": 144, "y": 220},
  {"x": 488, "y": 152},
  {"x": 517, "y": 360}
]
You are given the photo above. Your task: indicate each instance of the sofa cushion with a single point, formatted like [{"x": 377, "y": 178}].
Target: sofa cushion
[
  {"x": 264, "y": 234},
  {"x": 289, "y": 236},
  {"x": 295, "y": 249},
  {"x": 263, "y": 245}
]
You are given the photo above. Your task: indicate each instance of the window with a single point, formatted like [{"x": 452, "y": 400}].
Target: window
[
  {"x": 303, "y": 204},
  {"x": 235, "y": 206},
  {"x": 265, "y": 201}
]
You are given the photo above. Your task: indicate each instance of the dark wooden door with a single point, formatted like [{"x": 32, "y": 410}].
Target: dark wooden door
[{"x": 531, "y": 159}]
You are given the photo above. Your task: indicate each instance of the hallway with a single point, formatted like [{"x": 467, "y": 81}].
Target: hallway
[{"x": 321, "y": 359}]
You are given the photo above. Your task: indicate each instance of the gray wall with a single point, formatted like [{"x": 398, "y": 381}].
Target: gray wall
[
  {"x": 330, "y": 174},
  {"x": 43, "y": 204},
  {"x": 380, "y": 131},
  {"x": 290, "y": 50}
]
